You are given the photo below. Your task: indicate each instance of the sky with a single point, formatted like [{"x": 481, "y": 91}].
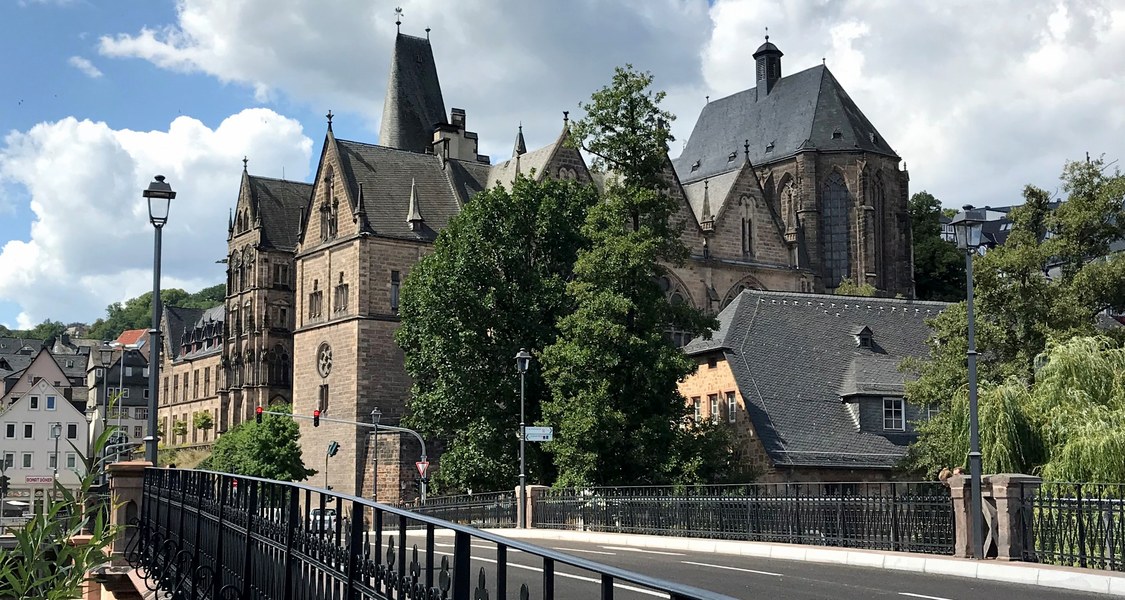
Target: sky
[{"x": 978, "y": 98}]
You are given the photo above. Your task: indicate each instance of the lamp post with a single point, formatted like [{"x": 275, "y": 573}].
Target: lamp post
[
  {"x": 159, "y": 195},
  {"x": 967, "y": 227},
  {"x": 523, "y": 359},
  {"x": 376, "y": 414},
  {"x": 120, "y": 387},
  {"x": 105, "y": 357},
  {"x": 56, "y": 432}
]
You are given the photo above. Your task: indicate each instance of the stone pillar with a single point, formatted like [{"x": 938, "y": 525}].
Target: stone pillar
[
  {"x": 534, "y": 492},
  {"x": 1009, "y": 491},
  {"x": 126, "y": 484},
  {"x": 1002, "y": 496}
]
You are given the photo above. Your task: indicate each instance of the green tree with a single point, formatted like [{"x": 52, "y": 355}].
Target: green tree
[
  {"x": 41, "y": 563},
  {"x": 1047, "y": 284},
  {"x": 46, "y": 330},
  {"x": 495, "y": 282},
  {"x": 939, "y": 267},
  {"x": 613, "y": 373},
  {"x": 136, "y": 313},
  {"x": 180, "y": 429},
  {"x": 270, "y": 450},
  {"x": 203, "y": 420},
  {"x": 848, "y": 287}
]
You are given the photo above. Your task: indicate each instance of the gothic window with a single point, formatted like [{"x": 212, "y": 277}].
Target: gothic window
[
  {"x": 281, "y": 276},
  {"x": 316, "y": 301},
  {"x": 395, "y": 285},
  {"x": 340, "y": 296},
  {"x": 334, "y": 217},
  {"x": 836, "y": 202},
  {"x": 327, "y": 227},
  {"x": 880, "y": 206},
  {"x": 324, "y": 360},
  {"x": 322, "y": 400},
  {"x": 249, "y": 317},
  {"x": 747, "y": 226}
]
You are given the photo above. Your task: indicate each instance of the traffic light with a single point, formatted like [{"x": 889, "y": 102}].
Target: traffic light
[
  {"x": 316, "y": 418},
  {"x": 258, "y": 415},
  {"x": 4, "y": 479},
  {"x": 333, "y": 448}
]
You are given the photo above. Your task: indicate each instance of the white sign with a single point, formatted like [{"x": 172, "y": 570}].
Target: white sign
[
  {"x": 33, "y": 479},
  {"x": 539, "y": 434},
  {"x": 422, "y": 467}
]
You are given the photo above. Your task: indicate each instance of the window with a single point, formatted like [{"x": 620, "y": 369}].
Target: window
[
  {"x": 323, "y": 400},
  {"x": 175, "y": 386},
  {"x": 10, "y": 431},
  {"x": 27, "y": 460},
  {"x": 281, "y": 276},
  {"x": 50, "y": 403},
  {"x": 9, "y": 460},
  {"x": 396, "y": 282},
  {"x": 747, "y": 236},
  {"x": 28, "y": 431},
  {"x": 697, "y": 405},
  {"x": 713, "y": 400},
  {"x": 316, "y": 301},
  {"x": 142, "y": 413},
  {"x": 340, "y": 296},
  {"x": 138, "y": 432},
  {"x": 71, "y": 460},
  {"x": 712, "y": 362},
  {"x": 893, "y": 414},
  {"x": 71, "y": 431},
  {"x": 195, "y": 384},
  {"x": 732, "y": 407},
  {"x": 144, "y": 393},
  {"x": 836, "y": 201},
  {"x": 52, "y": 460},
  {"x": 33, "y": 402},
  {"x": 124, "y": 392},
  {"x": 932, "y": 411}
]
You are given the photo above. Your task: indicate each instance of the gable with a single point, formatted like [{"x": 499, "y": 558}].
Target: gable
[{"x": 43, "y": 367}]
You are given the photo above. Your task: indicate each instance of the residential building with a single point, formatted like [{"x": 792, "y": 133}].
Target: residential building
[
  {"x": 190, "y": 376},
  {"x": 811, "y": 384},
  {"x": 117, "y": 394}
]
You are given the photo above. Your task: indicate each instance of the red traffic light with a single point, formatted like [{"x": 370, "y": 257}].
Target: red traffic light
[
  {"x": 258, "y": 415},
  {"x": 316, "y": 418}
]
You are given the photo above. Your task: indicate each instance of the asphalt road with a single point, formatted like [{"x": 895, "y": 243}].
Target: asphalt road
[{"x": 736, "y": 576}]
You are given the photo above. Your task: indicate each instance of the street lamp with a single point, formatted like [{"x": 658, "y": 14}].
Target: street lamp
[
  {"x": 376, "y": 414},
  {"x": 105, "y": 357},
  {"x": 523, "y": 359},
  {"x": 159, "y": 195},
  {"x": 967, "y": 227},
  {"x": 56, "y": 432}
]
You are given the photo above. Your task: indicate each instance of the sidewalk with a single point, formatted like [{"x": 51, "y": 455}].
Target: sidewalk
[{"x": 1068, "y": 578}]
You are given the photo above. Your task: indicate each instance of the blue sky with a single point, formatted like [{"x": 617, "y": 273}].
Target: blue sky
[{"x": 99, "y": 95}]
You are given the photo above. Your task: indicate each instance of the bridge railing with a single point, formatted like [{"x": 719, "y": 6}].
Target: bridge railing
[
  {"x": 205, "y": 535},
  {"x": 490, "y": 510},
  {"x": 899, "y": 516},
  {"x": 1075, "y": 524}
]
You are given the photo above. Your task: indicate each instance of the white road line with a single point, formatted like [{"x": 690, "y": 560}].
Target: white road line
[
  {"x": 569, "y": 576},
  {"x": 473, "y": 545},
  {"x": 585, "y": 551},
  {"x": 922, "y": 596},
  {"x": 699, "y": 564},
  {"x": 642, "y": 551}
]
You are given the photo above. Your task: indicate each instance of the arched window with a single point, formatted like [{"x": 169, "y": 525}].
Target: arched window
[
  {"x": 835, "y": 203},
  {"x": 880, "y": 205},
  {"x": 747, "y": 226}
]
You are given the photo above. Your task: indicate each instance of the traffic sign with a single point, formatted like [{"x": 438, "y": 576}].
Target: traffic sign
[
  {"x": 422, "y": 465},
  {"x": 539, "y": 434}
]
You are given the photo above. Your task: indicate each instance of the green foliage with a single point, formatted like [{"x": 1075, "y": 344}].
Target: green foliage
[
  {"x": 203, "y": 420},
  {"x": 848, "y": 287},
  {"x": 179, "y": 428},
  {"x": 271, "y": 450},
  {"x": 136, "y": 313},
  {"x": 939, "y": 267},
  {"x": 1020, "y": 314},
  {"x": 495, "y": 282},
  {"x": 43, "y": 564}
]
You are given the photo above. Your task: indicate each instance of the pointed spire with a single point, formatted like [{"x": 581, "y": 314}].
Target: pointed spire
[
  {"x": 361, "y": 213},
  {"x": 520, "y": 147},
  {"x": 707, "y": 222},
  {"x": 746, "y": 149},
  {"x": 230, "y": 221},
  {"x": 413, "y": 216}
]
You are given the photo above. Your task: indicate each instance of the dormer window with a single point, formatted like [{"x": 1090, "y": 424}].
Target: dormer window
[
  {"x": 732, "y": 156},
  {"x": 837, "y": 134},
  {"x": 863, "y": 337},
  {"x": 695, "y": 166}
]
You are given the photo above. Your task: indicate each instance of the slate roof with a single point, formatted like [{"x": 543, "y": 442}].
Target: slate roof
[
  {"x": 793, "y": 356},
  {"x": 386, "y": 175},
  {"x": 503, "y": 174},
  {"x": 278, "y": 203},
  {"x": 802, "y": 111},
  {"x": 413, "y": 104},
  {"x": 14, "y": 345}
]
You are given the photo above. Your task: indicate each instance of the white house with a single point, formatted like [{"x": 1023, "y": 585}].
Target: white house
[{"x": 42, "y": 436}]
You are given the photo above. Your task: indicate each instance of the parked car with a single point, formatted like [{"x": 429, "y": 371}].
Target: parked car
[{"x": 322, "y": 519}]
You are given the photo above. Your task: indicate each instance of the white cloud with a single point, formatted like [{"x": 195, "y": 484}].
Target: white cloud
[
  {"x": 85, "y": 66},
  {"x": 90, "y": 243}
]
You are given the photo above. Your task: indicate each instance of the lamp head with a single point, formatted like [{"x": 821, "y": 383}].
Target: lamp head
[
  {"x": 967, "y": 227},
  {"x": 160, "y": 196},
  {"x": 523, "y": 359}
]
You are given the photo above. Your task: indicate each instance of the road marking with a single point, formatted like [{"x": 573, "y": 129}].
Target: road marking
[
  {"x": 570, "y": 576},
  {"x": 922, "y": 596},
  {"x": 642, "y": 551},
  {"x": 473, "y": 545},
  {"x": 586, "y": 551},
  {"x": 699, "y": 564}
]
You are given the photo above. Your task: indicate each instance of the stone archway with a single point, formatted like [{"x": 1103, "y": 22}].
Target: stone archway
[{"x": 746, "y": 283}]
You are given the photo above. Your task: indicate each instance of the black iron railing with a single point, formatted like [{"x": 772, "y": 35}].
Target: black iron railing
[
  {"x": 910, "y": 517},
  {"x": 491, "y": 510},
  {"x": 204, "y": 535},
  {"x": 1076, "y": 524}
]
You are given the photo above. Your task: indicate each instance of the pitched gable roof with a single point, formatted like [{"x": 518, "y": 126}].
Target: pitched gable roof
[
  {"x": 794, "y": 355},
  {"x": 805, "y": 110},
  {"x": 132, "y": 337},
  {"x": 278, "y": 204},
  {"x": 413, "y": 104}
]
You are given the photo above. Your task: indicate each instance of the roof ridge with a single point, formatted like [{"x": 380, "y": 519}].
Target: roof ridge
[
  {"x": 263, "y": 177},
  {"x": 849, "y": 299}
]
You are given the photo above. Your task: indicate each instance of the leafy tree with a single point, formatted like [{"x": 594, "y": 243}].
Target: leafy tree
[
  {"x": 1047, "y": 284},
  {"x": 848, "y": 287},
  {"x": 494, "y": 283},
  {"x": 203, "y": 420},
  {"x": 46, "y": 330},
  {"x": 179, "y": 428},
  {"x": 42, "y": 563},
  {"x": 136, "y": 313},
  {"x": 270, "y": 450},
  {"x": 939, "y": 267},
  {"x": 613, "y": 374}
]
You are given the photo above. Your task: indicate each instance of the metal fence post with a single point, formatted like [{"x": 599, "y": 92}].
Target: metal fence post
[
  {"x": 291, "y": 524},
  {"x": 895, "y": 504},
  {"x": 1080, "y": 514}
]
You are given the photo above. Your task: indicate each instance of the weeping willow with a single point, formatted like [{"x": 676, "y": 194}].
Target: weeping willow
[{"x": 1068, "y": 426}]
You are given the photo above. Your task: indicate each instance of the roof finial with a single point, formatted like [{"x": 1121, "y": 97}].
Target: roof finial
[
  {"x": 427, "y": 34},
  {"x": 566, "y": 118},
  {"x": 767, "y": 34},
  {"x": 329, "y": 115},
  {"x": 707, "y": 98},
  {"x": 746, "y": 149},
  {"x": 244, "y": 161},
  {"x": 823, "y": 61},
  {"x": 398, "y": 19}
]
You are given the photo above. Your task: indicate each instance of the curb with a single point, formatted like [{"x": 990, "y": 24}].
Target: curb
[{"x": 1050, "y": 576}]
